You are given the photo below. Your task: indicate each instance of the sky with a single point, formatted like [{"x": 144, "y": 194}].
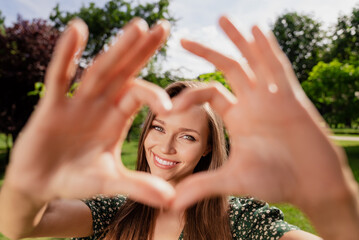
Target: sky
[{"x": 197, "y": 20}]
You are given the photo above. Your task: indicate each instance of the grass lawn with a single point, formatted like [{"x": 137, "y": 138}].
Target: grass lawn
[
  {"x": 129, "y": 154},
  {"x": 345, "y": 131},
  {"x": 291, "y": 213}
]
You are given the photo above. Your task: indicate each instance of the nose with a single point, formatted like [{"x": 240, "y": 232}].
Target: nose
[{"x": 168, "y": 144}]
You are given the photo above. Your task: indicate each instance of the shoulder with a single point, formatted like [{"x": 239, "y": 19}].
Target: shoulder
[
  {"x": 103, "y": 209},
  {"x": 252, "y": 218},
  {"x": 105, "y": 203},
  {"x": 251, "y": 207}
]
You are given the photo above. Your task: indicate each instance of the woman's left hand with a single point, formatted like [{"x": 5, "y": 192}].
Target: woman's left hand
[{"x": 280, "y": 151}]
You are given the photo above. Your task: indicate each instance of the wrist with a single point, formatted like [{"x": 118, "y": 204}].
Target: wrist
[
  {"x": 24, "y": 185},
  {"x": 20, "y": 213},
  {"x": 336, "y": 217}
]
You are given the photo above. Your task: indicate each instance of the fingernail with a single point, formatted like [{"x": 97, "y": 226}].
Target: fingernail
[
  {"x": 167, "y": 105},
  {"x": 142, "y": 24},
  {"x": 164, "y": 23},
  {"x": 81, "y": 26}
]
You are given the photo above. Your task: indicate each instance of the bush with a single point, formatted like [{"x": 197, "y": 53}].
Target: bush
[
  {"x": 334, "y": 89},
  {"x": 25, "y": 51}
]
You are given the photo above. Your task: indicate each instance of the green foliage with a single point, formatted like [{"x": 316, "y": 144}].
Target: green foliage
[
  {"x": 25, "y": 50},
  {"x": 2, "y": 25},
  {"x": 5, "y": 142},
  {"x": 104, "y": 23},
  {"x": 135, "y": 129},
  {"x": 2, "y": 237},
  {"x": 2, "y": 18},
  {"x": 129, "y": 154},
  {"x": 345, "y": 45},
  {"x": 39, "y": 90},
  {"x": 334, "y": 89},
  {"x": 153, "y": 75},
  {"x": 301, "y": 39},
  {"x": 5, "y": 146},
  {"x": 74, "y": 86},
  {"x": 216, "y": 76}
]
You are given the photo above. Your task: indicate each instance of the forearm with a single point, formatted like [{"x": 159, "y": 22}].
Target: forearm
[
  {"x": 338, "y": 218},
  {"x": 20, "y": 213}
]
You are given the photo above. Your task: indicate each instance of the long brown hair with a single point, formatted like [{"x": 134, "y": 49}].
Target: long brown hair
[{"x": 208, "y": 219}]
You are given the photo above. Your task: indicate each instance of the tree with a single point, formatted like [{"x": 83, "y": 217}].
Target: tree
[
  {"x": 300, "y": 37},
  {"x": 2, "y": 24},
  {"x": 2, "y": 18},
  {"x": 25, "y": 51},
  {"x": 104, "y": 23},
  {"x": 334, "y": 89},
  {"x": 215, "y": 76},
  {"x": 345, "y": 39}
]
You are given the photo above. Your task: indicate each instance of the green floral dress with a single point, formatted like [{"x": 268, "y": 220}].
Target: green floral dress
[{"x": 249, "y": 218}]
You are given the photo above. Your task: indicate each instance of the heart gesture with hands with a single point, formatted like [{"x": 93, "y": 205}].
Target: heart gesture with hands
[
  {"x": 279, "y": 151},
  {"x": 69, "y": 148}
]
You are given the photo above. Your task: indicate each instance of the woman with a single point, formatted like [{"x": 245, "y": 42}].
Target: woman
[
  {"x": 74, "y": 153},
  {"x": 191, "y": 142}
]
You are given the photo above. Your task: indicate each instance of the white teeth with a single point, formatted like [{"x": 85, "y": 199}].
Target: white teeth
[{"x": 163, "y": 162}]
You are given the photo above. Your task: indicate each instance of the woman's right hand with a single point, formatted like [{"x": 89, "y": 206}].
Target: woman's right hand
[{"x": 70, "y": 146}]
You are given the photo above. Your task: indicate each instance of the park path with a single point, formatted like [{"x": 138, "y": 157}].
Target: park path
[{"x": 345, "y": 138}]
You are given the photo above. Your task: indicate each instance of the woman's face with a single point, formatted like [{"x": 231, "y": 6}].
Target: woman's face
[{"x": 175, "y": 143}]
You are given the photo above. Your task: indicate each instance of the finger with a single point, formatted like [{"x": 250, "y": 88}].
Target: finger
[
  {"x": 109, "y": 177},
  {"x": 138, "y": 93},
  {"x": 220, "y": 99},
  {"x": 95, "y": 79},
  {"x": 247, "y": 49},
  {"x": 146, "y": 188},
  {"x": 141, "y": 92},
  {"x": 139, "y": 186},
  {"x": 133, "y": 96},
  {"x": 197, "y": 187},
  {"x": 292, "y": 78},
  {"x": 273, "y": 59},
  {"x": 64, "y": 63},
  {"x": 147, "y": 47},
  {"x": 237, "y": 77},
  {"x": 136, "y": 59}
]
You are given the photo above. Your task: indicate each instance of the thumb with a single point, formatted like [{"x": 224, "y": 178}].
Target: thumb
[
  {"x": 142, "y": 187},
  {"x": 199, "y": 186}
]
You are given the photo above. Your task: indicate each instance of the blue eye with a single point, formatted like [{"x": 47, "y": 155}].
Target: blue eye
[
  {"x": 189, "y": 137},
  {"x": 157, "y": 128}
]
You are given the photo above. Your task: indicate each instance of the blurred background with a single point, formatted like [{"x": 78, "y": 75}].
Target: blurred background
[{"x": 321, "y": 39}]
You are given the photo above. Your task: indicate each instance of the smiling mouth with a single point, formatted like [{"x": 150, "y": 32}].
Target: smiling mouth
[{"x": 165, "y": 164}]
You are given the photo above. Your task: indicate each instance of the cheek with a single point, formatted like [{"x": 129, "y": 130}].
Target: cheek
[
  {"x": 150, "y": 140},
  {"x": 192, "y": 154}
]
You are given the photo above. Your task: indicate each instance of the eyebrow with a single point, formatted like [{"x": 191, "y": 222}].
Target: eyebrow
[{"x": 181, "y": 129}]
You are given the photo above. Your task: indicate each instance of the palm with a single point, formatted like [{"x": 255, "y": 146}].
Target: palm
[
  {"x": 70, "y": 147},
  {"x": 278, "y": 149},
  {"x": 260, "y": 162},
  {"x": 79, "y": 139}
]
